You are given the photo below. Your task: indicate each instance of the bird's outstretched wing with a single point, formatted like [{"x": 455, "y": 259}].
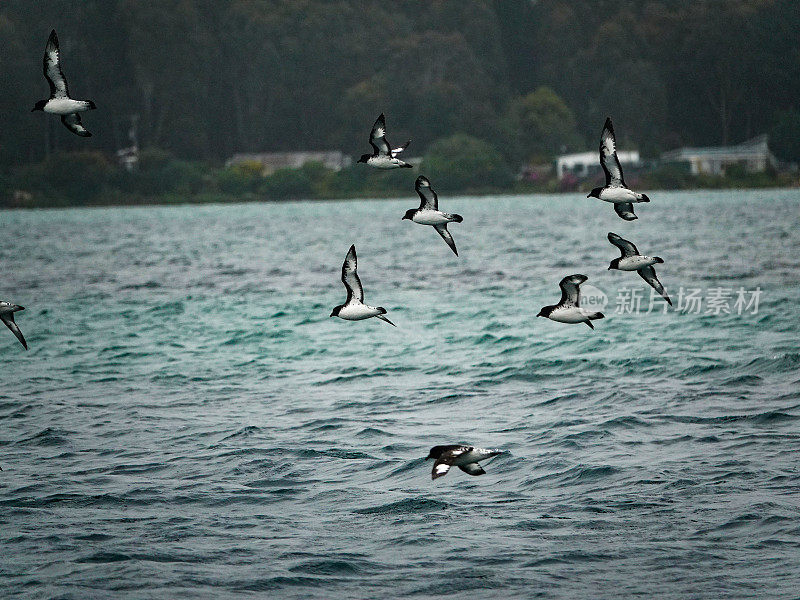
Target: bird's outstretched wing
[
  {"x": 649, "y": 275},
  {"x": 377, "y": 137},
  {"x": 8, "y": 319},
  {"x": 627, "y": 248},
  {"x": 428, "y": 198},
  {"x": 385, "y": 320},
  {"x": 73, "y": 123},
  {"x": 350, "y": 276},
  {"x": 625, "y": 210},
  {"x": 399, "y": 149},
  {"x": 473, "y": 469},
  {"x": 52, "y": 68},
  {"x": 445, "y": 461},
  {"x": 570, "y": 290},
  {"x": 608, "y": 156},
  {"x": 442, "y": 231}
]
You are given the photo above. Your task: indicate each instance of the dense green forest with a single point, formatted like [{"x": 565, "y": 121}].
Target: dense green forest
[{"x": 209, "y": 78}]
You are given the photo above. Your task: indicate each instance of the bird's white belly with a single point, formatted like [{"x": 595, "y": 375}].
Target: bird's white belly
[
  {"x": 618, "y": 195},
  {"x": 430, "y": 217},
  {"x": 65, "y": 106},
  {"x": 472, "y": 456},
  {"x": 572, "y": 314},
  {"x": 383, "y": 162},
  {"x": 357, "y": 312},
  {"x": 634, "y": 263}
]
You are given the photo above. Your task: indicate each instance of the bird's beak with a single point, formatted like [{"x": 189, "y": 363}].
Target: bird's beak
[
  {"x": 427, "y": 457},
  {"x": 609, "y": 268},
  {"x": 404, "y": 218},
  {"x": 589, "y": 195}
]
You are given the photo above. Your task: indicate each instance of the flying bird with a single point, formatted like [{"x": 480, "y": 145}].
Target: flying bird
[
  {"x": 7, "y": 311},
  {"x": 428, "y": 212},
  {"x": 615, "y": 189},
  {"x": 354, "y": 308},
  {"x": 465, "y": 458},
  {"x": 631, "y": 260},
  {"x": 383, "y": 156},
  {"x": 59, "y": 102},
  {"x": 568, "y": 309}
]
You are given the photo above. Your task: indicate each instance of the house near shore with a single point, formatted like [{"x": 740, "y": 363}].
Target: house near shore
[
  {"x": 272, "y": 161},
  {"x": 753, "y": 155},
  {"x": 586, "y": 164}
]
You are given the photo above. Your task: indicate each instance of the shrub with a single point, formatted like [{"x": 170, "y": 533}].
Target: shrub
[{"x": 285, "y": 184}]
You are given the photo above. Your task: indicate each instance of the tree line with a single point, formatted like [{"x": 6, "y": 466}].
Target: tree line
[{"x": 209, "y": 78}]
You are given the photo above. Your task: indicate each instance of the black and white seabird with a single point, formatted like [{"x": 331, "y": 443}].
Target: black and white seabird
[
  {"x": 354, "y": 308},
  {"x": 7, "y": 311},
  {"x": 631, "y": 260},
  {"x": 59, "y": 102},
  {"x": 568, "y": 309},
  {"x": 428, "y": 212},
  {"x": 615, "y": 189},
  {"x": 383, "y": 156},
  {"x": 465, "y": 458}
]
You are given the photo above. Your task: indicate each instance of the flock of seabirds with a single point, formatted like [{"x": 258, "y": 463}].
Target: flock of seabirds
[{"x": 568, "y": 309}]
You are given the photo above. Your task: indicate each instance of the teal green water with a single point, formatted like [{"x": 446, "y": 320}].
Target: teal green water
[{"x": 189, "y": 422}]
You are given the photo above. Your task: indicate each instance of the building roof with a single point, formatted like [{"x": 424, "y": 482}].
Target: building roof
[
  {"x": 580, "y": 158},
  {"x": 333, "y": 159},
  {"x": 757, "y": 147}
]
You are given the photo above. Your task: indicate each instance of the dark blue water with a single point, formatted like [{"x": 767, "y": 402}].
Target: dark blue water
[{"x": 190, "y": 423}]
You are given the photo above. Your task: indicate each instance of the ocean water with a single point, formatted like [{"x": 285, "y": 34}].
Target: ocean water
[{"x": 189, "y": 422}]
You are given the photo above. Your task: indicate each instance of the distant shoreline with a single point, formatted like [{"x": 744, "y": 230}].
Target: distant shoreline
[{"x": 222, "y": 199}]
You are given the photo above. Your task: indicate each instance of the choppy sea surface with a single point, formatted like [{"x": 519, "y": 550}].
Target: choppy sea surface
[{"x": 189, "y": 422}]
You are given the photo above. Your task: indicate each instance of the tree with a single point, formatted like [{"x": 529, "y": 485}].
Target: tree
[
  {"x": 464, "y": 162},
  {"x": 539, "y": 125},
  {"x": 785, "y": 136}
]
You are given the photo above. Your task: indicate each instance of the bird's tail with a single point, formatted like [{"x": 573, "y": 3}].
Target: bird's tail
[
  {"x": 407, "y": 166},
  {"x": 456, "y": 218},
  {"x": 658, "y": 259},
  {"x": 642, "y": 198}
]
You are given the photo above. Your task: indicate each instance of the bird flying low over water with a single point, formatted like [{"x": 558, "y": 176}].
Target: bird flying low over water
[
  {"x": 631, "y": 260},
  {"x": 59, "y": 102},
  {"x": 354, "y": 308},
  {"x": 7, "y": 311},
  {"x": 383, "y": 156},
  {"x": 568, "y": 309},
  {"x": 615, "y": 190},
  {"x": 428, "y": 212},
  {"x": 465, "y": 458}
]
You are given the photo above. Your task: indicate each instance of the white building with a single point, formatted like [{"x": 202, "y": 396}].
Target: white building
[
  {"x": 753, "y": 155},
  {"x": 272, "y": 161},
  {"x": 584, "y": 164}
]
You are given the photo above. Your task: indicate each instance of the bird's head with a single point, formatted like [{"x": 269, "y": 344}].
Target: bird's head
[
  {"x": 614, "y": 264},
  {"x": 39, "y": 105},
  {"x": 409, "y": 214},
  {"x": 335, "y": 311},
  {"x": 545, "y": 312},
  {"x": 435, "y": 452},
  {"x": 364, "y": 158},
  {"x": 595, "y": 193},
  {"x": 7, "y": 307}
]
